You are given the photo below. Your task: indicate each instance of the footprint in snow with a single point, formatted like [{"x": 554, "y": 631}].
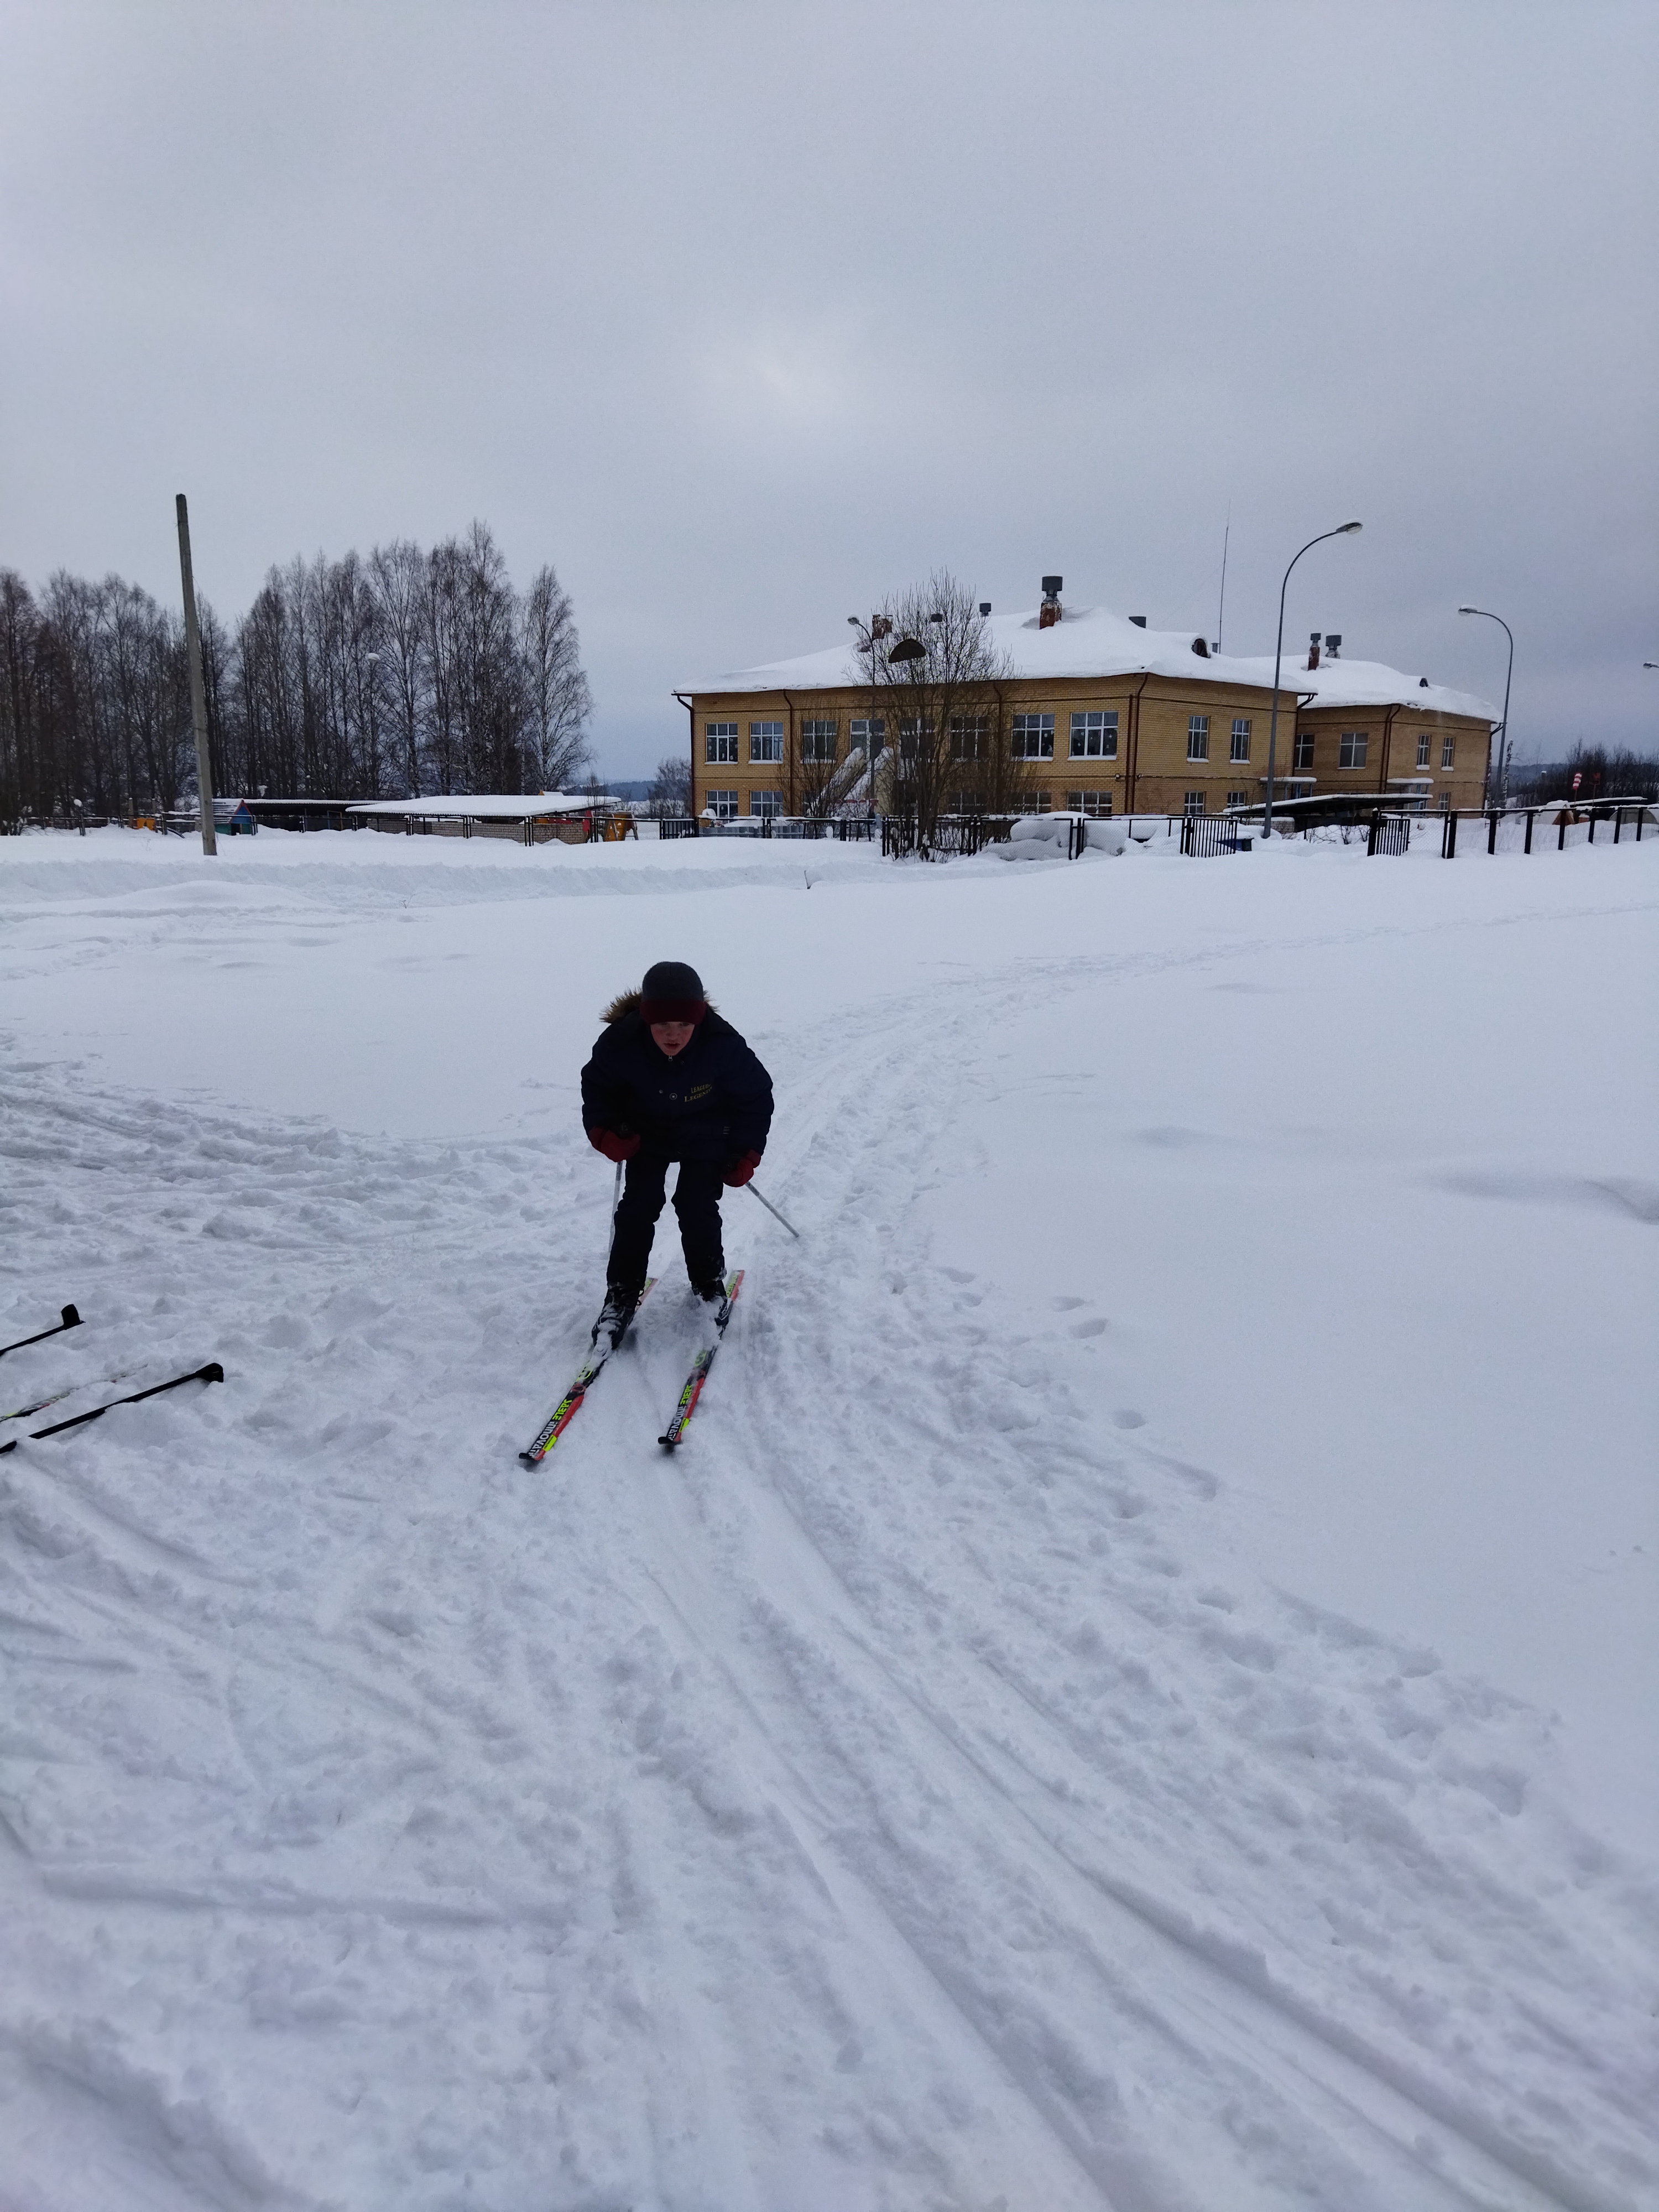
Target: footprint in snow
[{"x": 1127, "y": 1418}]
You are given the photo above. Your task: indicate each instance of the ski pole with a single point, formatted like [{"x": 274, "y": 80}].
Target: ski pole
[
  {"x": 211, "y": 1373},
  {"x": 71, "y": 1320},
  {"x": 773, "y": 1211}
]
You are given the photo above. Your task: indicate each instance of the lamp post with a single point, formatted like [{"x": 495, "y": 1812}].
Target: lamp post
[
  {"x": 1503, "y": 726},
  {"x": 1342, "y": 530}
]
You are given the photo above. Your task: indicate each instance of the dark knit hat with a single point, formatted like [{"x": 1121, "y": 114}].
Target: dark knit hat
[{"x": 672, "y": 992}]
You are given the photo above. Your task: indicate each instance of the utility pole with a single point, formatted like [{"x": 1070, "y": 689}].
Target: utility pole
[{"x": 197, "y": 685}]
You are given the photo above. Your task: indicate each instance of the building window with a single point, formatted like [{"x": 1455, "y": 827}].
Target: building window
[
  {"x": 1034, "y": 736},
  {"x": 1422, "y": 749},
  {"x": 767, "y": 803},
  {"x": 1198, "y": 737},
  {"x": 719, "y": 743},
  {"x": 817, "y": 740},
  {"x": 1241, "y": 751},
  {"x": 722, "y": 805},
  {"x": 1304, "y": 746},
  {"x": 765, "y": 741},
  {"x": 1094, "y": 736},
  {"x": 1040, "y": 802},
  {"x": 911, "y": 730},
  {"x": 1239, "y": 799},
  {"x": 1196, "y": 802},
  {"x": 1351, "y": 748},
  {"x": 965, "y": 802},
  {"x": 860, "y": 733},
  {"x": 1445, "y": 802},
  {"x": 1095, "y": 803},
  {"x": 1447, "y": 753},
  {"x": 969, "y": 736}
]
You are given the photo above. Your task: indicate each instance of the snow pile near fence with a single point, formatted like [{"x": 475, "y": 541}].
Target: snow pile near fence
[{"x": 1136, "y": 1691}]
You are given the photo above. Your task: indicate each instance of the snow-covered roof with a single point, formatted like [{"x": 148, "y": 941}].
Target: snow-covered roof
[
  {"x": 1364, "y": 683},
  {"x": 488, "y": 806},
  {"x": 1091, "y": 641},
  {"x": 1085, "y": 641}
]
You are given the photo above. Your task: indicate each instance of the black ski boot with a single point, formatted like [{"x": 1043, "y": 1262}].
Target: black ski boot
[{"x": 620, "y": 1300}]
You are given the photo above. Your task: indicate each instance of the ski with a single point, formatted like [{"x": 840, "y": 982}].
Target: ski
[
  {"x": 565, "y": 1412},
  {"x": 700, "y": 1367},
  {"x": 21, "y": 1412}
]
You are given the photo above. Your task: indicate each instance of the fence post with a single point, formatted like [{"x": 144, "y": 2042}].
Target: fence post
[
  {"x": 1491, "y": 832},
  {"x": 1618, "y": 822},
  {"x": 1448, "y": 839},
  {"x": 1590, "y": 840},
  {"x": 1527, "y": 848},
  {"x": 1561, "y": 842}
]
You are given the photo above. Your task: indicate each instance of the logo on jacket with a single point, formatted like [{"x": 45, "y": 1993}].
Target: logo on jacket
[{"x": 699, "y": 1091}]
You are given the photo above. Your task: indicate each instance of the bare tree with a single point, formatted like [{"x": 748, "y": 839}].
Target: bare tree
[
  {"x": 396, "y": 578},
  {"x": 671, "y": 786},
  {"x": 934, "y": 681},
  {"x": 557, "y": 693}
]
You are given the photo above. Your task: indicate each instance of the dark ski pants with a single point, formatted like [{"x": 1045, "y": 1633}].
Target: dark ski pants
[{"x": 696, "y": 1202}]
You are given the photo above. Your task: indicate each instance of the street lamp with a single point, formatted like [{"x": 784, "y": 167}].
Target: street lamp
[
  {"x": 1342, "y": 530},
  {"x": 1503, "y": 726}
]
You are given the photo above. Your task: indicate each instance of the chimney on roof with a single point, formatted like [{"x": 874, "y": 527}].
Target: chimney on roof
[
  {"x": 1313, "y": 650},
  {"x": 985, "y": 607},
  {"x": 1201, "y": 646},
  {"x": 1422, "y": 683},
  {"x": 1332, "y": 639},
  {"x": 1048, "y": 612},
  {"x": 1139, "y": 621}
]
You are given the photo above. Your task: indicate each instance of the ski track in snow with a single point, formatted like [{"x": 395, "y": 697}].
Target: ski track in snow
[{"x": 880, "y": 1804}]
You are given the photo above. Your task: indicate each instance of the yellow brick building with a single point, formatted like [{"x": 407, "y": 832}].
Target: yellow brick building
[{"x": 1110, "y": 718}]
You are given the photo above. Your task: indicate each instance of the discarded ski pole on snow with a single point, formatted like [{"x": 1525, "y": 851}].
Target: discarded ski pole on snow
[
  {"x": 773, "y": 1211},
  {"x": 71, "y": 1320},
  {"x": 211, "y": 1373}
]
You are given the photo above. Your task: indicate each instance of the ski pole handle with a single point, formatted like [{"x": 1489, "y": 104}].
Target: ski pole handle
[{"x": 773, "y": 1211}]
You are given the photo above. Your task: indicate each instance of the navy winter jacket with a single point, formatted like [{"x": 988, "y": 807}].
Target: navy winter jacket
[{"x": 711, "y": 1102}]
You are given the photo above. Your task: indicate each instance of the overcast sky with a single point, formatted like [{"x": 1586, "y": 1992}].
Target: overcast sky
[{"x": 745, "y": 315}]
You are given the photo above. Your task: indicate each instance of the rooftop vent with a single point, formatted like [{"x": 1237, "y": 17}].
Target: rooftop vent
[
  {"x": 1139, "y": 621},
  {"x": 1422, "y": 683},
  {"x": 1313, "y": 650},
  {"x": 1333, "y": 640},
  {"x": 1048, "y": 612},
  {"x": 985, "y": 607},
  {"x": 1201, "y": 649}
]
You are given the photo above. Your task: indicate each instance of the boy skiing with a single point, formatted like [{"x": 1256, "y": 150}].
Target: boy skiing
[{"x": 670, "y": 1080}]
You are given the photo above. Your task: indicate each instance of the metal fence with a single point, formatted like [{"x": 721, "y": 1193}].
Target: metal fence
[
  {"x": 849, "y": 829},
  {"x": 1389, "y": 833},
  {"x": 1523, "y": 829},
  {"x": 1203, "y": 835}
]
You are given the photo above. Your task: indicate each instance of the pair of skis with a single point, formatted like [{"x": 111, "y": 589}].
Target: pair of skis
[{"x": 565, "y": 1412}]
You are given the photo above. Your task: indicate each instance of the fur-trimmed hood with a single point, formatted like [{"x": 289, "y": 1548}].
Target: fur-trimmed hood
[{"x": 627, "y": 1002}]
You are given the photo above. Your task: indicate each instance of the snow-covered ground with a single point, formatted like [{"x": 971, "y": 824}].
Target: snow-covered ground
[{"x": 1138, "y": 1691}]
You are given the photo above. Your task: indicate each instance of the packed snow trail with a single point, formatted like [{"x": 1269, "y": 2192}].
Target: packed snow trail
[{"x": 885, "y": 1803}]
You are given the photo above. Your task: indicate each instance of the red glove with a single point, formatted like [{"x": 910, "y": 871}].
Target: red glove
[
  {"x": 739, "y": 1172},
  {"x": 613, "y": 1147}
]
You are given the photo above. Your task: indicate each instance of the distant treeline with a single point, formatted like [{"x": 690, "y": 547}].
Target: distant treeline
[
  {"x": 408, "y": 671},
  {"x": 1590, "y": 772}
]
